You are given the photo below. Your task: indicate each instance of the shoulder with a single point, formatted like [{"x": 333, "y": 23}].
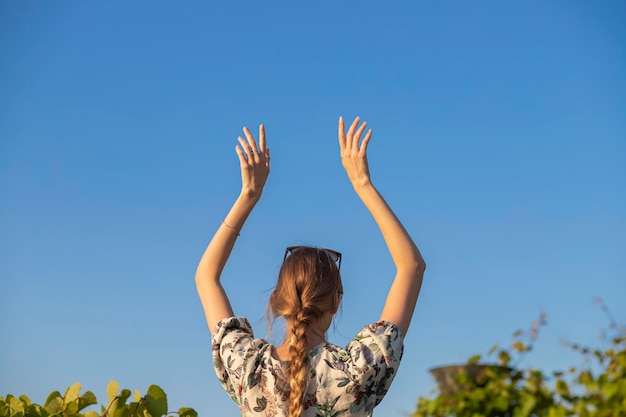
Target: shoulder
[
  {"x": 378, "y": 334},
  {"x": 232, "y": 323},
  {"x": 236, "y": 334},
  {"x": 235, "y": 347},
  {"x": 377, "y": 344}
]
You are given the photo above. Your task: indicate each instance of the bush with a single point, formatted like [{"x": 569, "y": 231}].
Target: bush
[
  {"x": 73, "y": 404},
  {"x": 597, "y": 389}
]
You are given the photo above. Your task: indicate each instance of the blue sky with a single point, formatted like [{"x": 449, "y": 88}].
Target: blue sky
[{"x": 499, "y": 140}]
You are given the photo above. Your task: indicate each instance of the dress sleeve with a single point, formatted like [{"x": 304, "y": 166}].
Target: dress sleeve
[
  {"x": 233, "y": 344},
  {"x": 375, "y": 353}
]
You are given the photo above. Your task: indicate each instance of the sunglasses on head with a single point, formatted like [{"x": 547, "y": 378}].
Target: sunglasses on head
[{"x": 334, "y": 255}]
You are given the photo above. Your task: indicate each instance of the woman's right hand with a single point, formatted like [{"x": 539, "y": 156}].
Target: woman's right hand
[
  {"x": 354, "y": 151},
  {"x": 254, "y": 162}
]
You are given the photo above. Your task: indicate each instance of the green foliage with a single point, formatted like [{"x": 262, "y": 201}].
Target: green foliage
[
  {"x": 598, "y": 389},
  {"x": 73, "y": 404}
]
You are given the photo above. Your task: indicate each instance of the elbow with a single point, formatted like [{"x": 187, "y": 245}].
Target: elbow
[
  {"x": 418, "y": 264},
  {"x": 420, "y": 268},
  {"x": 199, "y": 277},
  {"x": 415, "y": 268},
  {"x": 202, "y": 280},
  {"x": 200, "y": 283}
]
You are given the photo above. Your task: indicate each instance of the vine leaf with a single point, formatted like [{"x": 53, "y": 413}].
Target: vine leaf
[
  {"x": 156, "y": 401},
  {"x": 86, "y": 400},
  {"x": 187, "y": 412},
  {"x": 72, "y": 393},
  {"x": 112, "y": 389}
]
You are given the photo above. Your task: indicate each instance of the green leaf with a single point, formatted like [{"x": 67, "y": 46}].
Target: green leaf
[
  {"x": 71, "y": 408},
  {"x": 121, "y": 411},
  {"x": 25, "y": 399},
  {"x": 473, "y": 359},
  {"x": 609, "y": 390},
  {"x": 122, "y": 397},
  {"x": 519, "y": 346},
  {"x": 72, "y": 393},
  {"x": 112, "y": 389},
  {"x": 504, "y": 358},
  {"x": 562, "y": 388},
  {"x": 500, "y": 403},
  {"x": 55, "y": 405},
  {"x": 136, "y": 409},
  {"x": 560, "y": 411},
  {"x": 51, "y": 397},
  {"x": 111, "y": 407},
  {"x": 35, "y": 410},
  {"x": 156, "y": 401},
  {"x": 526, "y": 406},
  {"x": 92, "y": 413},
  {"x": 187, "y": 412},
  {"x": 86, "y": 400},
  {"x": 137, "y": 396},
  {"x": 17, "y": 407},
  {"x": 492, "y": 350},
  {"x": 585, "y": 378}
]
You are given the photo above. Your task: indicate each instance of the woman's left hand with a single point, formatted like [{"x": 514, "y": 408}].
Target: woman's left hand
[
  {"x": 254, "y": 161},
  {"x": 354, "y": 151}
]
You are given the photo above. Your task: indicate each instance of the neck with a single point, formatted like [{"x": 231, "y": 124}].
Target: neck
[{"x": 315, "y": 338}]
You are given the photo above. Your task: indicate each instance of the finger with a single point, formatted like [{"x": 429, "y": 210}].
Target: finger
[
  {"x": 366, "y": 140},
  {"x": 247, "y": 150},
  {"x": 351, "y": 130},
  {"x": 359, "y": 133},
  {"x": 262, "y": 143},
  {"x": 251, "y": 147},
  {"x": 341, "y": 133},
  {"x": 242, "y": 158},
  {"x": 251, "y": 141}
]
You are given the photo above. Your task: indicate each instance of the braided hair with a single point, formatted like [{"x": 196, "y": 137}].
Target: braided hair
[{"x": 309, "y": 285}]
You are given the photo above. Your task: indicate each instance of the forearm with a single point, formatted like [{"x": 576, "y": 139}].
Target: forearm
[
  {"x": 212, "y": 295},
  {"x": 221, "y": 245},
  {"x": 403, "y": 250}
]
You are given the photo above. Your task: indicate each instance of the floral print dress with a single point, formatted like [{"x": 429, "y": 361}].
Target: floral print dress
[{"x": 346, "y": 382}]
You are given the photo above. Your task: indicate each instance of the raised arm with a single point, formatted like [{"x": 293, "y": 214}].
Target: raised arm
[
  {"x": 254, "y": 161},
  {"x": 410, "y": 266}
]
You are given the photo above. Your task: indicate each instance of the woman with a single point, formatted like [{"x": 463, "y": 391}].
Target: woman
[{"x": 306, "y": 376}]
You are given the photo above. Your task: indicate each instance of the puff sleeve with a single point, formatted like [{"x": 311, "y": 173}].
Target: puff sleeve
[
  {"x": 233, "y": 344},
  {"x": 375, "y": 354}
]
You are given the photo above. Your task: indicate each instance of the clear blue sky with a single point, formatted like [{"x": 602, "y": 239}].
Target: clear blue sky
[{"x": 499, "y": 139}]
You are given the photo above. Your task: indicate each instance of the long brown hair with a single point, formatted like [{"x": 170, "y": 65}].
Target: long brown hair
[{"x": 309, "y": 285}]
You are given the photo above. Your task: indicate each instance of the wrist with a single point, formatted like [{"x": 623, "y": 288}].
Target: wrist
[
  {"x": 249, "y": 196},
  {"x": 362, "y": 184}
]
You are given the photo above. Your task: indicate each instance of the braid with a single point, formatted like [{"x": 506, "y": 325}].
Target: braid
[
  {"x": 309, "y": 285},
  {"x": 299, "y": 365}
]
